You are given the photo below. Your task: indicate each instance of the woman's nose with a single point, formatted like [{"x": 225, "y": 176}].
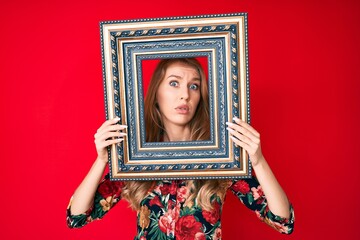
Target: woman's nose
[{"x": 184, "y": 93}]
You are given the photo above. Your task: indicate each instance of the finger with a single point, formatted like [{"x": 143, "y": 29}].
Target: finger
[
  {"x": 107, "y": 123},
  {"x": 239, "y": 136},
  {"x": 254, "y": 146},
  {"x": 240, "y": 143},
  {"x": 243, "y": 145},
  {"x": 108, "y": 135},
  {"x": 100, "y": 142},
  {"x": 237, "y": 128},
  {"x": 246, "y": 126},
  {"x": 115, "y": 127},
  {"x": 110, "y": 142}
]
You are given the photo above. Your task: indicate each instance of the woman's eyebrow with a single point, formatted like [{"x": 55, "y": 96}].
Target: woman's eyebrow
[
  {"x": 179, "y": 77},
  {"x": 175, "y": 76}
]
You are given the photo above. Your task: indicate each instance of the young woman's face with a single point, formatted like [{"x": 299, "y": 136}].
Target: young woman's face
[{"x": 178, "y": 94}]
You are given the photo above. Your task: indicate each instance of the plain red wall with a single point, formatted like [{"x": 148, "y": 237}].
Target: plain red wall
[{"x": 305, "y": 73}]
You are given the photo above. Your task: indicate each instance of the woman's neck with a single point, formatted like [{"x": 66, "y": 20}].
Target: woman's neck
[{"x": 177, "y": 133}]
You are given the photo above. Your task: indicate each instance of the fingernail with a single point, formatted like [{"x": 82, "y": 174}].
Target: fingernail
[{"x": 124, "y": 126}]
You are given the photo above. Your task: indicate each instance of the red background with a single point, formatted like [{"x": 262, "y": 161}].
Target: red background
[{"x": 304, "y": 67}]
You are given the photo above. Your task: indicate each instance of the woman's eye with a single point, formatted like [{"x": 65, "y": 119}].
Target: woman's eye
[
  {"x": 174, "y": 83},
  {"x": 194, "y": 86}
]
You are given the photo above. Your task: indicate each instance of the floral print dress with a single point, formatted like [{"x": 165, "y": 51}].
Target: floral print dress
[{"x": 163, "y": 214}]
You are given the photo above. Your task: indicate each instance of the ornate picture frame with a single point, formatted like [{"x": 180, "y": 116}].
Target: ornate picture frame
[{"x": 127, "y": 45}]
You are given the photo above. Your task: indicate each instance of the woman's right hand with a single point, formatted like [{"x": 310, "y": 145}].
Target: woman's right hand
[{"x": 109, "y": 133}]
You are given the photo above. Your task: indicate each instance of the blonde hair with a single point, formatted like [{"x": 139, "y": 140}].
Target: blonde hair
[{"x": 201, "y": 191}]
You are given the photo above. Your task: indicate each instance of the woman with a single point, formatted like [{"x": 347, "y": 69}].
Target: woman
[{"x": 180, "y": 209}]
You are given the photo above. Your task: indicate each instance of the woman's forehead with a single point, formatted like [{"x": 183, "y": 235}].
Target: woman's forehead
[{"x": 180, "y": 67}]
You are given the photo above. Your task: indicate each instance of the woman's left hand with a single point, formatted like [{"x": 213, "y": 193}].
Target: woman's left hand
[{"x": 246, "y": 137}]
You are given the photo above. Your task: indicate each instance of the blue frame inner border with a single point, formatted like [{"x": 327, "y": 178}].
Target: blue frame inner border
[{"x": 180, "y": 48}]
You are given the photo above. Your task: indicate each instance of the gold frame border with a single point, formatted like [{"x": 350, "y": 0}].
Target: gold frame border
[{"x": 241, "y": 91}]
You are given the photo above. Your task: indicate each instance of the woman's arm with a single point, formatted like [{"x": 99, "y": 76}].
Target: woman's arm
[
  {"x": 83, "y": 196},
  {"x": 248, "y": 138},
  {"x": 277, "y": 200},
  {"x": 109, "y": 133}
]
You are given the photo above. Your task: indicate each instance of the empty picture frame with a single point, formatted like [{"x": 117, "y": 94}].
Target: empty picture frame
[{"x": 131, "y": 50}]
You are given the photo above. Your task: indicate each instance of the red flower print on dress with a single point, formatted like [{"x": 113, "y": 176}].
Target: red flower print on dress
[
  {"x": 167, "y": 188},
  {"x": 176, "y": 212},
  {"x": 155, "y": 201},
  {"x": 157, "y": 189},
  {"x": 212, "y": 216},
  {"x": 258, "y": 214},
  {"x": 171, "y": 204},
  {"x": 167, "y": 223},
  {"x": 279, "y": 227},
  {"x": 200, "y": 236},
  {"x": 110, "y": 188},
  {"x": 187, "y": 227},
  {"x": 89, "y": 219},
  {"x": 257, "y": 192},
  {"x": 108, "y": 203},
  {"x": 182, "y": 194},
  {"x": 217, "y": 234},
  {"x": 241, "y": 186}
]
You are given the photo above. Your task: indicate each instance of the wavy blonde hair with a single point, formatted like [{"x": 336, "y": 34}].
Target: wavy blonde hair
[{"x": 201, "y": 191}]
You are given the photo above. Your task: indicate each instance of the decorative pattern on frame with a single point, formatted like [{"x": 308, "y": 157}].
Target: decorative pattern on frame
[{"x": 222, "y": 39}]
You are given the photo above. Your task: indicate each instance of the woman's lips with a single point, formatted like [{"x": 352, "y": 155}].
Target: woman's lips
[{"x": 183, "y": 109}]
